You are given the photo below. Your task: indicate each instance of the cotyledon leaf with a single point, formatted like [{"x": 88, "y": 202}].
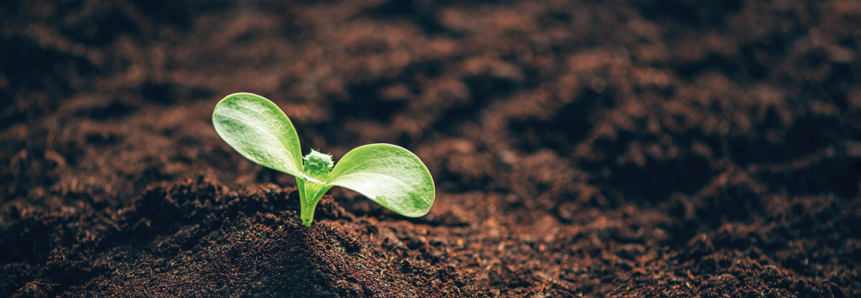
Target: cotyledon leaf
[
  {"x": 390, "y": 175},
  {"x": 260, "y": 131}
]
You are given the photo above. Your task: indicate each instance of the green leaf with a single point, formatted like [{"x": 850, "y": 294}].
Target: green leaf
[
  {"x": 390, "y": 175},
  {"x": 260, "y": 131}
]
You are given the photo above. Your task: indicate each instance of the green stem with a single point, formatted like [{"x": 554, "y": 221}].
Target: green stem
[
  {"x": 307, "y": 213},
  {"x": 309, "y": 195},
  {"x": 304, "y": 214}
]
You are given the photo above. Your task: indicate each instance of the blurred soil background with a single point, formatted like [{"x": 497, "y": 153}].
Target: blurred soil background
[{"x": 644, "y": 148}]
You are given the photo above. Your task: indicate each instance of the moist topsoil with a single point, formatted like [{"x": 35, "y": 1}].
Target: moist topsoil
[{"x": 646, "y": 148}]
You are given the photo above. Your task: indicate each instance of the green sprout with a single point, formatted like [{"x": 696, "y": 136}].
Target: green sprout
[{"x": 387, "y": 174}]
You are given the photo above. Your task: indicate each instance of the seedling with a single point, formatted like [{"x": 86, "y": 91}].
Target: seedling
[{"x": 387, "y": 174}]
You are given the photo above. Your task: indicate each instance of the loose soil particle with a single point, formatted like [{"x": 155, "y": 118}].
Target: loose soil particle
[{"x": 648, "y": 148}]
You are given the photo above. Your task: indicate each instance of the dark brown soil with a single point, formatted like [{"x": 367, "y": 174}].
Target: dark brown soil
[{"x": 646, "y": 148}]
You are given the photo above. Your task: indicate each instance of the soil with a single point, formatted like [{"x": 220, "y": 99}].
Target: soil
[{"x": 646, "y": 148}]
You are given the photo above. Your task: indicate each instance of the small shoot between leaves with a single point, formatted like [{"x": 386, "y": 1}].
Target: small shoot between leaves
[
  {"x": 387, "y": 174},
  {"x": 318, "y": 165}
]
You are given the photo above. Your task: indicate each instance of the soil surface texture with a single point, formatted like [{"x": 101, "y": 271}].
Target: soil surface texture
[{"x": 644, "y": 148}]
